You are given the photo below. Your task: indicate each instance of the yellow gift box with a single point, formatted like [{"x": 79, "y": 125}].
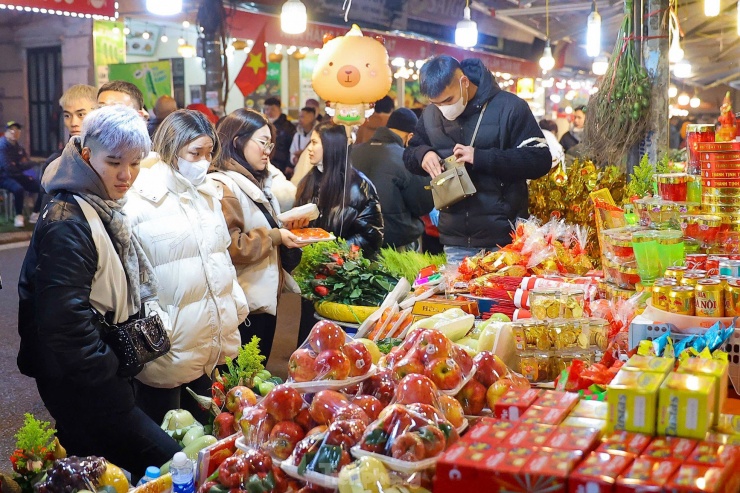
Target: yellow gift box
[
  {"x": 729, "y": 423},
  {"x": 686, "y": 405},
  {"x": 719, "y": 371},
  {"x": 633, "y": 399},
  {"x": 652, "y": 364}
]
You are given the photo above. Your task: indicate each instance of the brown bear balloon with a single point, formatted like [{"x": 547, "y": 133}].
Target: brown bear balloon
[{"x": 351, "y": 73}]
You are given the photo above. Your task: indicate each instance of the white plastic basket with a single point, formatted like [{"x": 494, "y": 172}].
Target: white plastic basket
[{"x": 643, "y": 329}]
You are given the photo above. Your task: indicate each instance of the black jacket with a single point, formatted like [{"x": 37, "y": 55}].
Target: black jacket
[
  {"x": 568, "y": 141},
  {"x": 403, "y": 198},
  {"x": 284, "y": 131},
  {"x": 360, "y": 222},
  {"x": 509, "y": 150},
  {"x": 13, "y": 159},
  {"x": 59, "y": 339}
]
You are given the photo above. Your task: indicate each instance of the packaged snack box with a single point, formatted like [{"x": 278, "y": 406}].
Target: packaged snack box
[
  {"x": 590, "y": 409},
  {"x": 558, "y": 399},
  {"x": 464, "y": 466},
  {"x": 646, "y": 475},
  {"x": 670, "y": 447},
  {"x": 686, "y": 405},
  {"x": 716, "y": 369},
  {"x": 598, "y": 473},
  {"x": 490, "y": 431},
  {"x": 722, "y": 438},
  {"x": 633, "y": 398},
  {"x": 598, "y": 424},
  {"x": 714, "y": 454},
  {"x": 544, "y": 415},
  {"x": 514, "y": 403},
  {"x": 532, "y": 436},
  {"x": 651, "y": 364},
  {"x": 625, "y": 442},
  {"x": 729, "y": 423},
  {"x": 439, "y": 304},
  {"x": 574, "y": 438},
  {"x": 548, "y": 470},
  {"x": 696, "y": 479}
]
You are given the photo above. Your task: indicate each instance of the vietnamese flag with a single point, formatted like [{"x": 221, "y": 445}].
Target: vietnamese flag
[{"x": 254, "y": 71}]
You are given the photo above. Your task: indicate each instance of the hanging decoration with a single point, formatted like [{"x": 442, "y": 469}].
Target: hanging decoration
[
  {"x": 95, "y": 9},
  {"x": 616, "y": 116},
  {"x": 352, "y": 72}
]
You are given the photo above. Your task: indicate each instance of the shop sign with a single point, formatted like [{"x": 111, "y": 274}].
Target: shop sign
[
  {"x": 109, "y": 45},
  {"x": 73, "y": 8},
  {"x": 154, "y": 79}
]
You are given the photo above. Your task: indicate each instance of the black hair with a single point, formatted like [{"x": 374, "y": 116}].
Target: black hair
[
  {"x": 234, "y": 132},
  {"x": 579, "y": 108},
  {"x": 549, "y": 125},
  {"x": 385, "y": 105},
  {"x": 272, "y": 102},
  {"x": 331, "y": 183},
  {"x": 126, "y": 88},
  {"x": 436, "y": 74},
  {"x": 308, "y": 109}
]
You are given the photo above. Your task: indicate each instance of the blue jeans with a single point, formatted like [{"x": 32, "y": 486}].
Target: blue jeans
[
  {"x": 18, "y": 186},
  {"x": 456, "y": 254}
]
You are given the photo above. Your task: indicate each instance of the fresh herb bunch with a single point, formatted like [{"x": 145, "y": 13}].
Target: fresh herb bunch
[
  {"x": 34, "y": 451},
  {"x": 407, "y": 264},
  {"x": 247, "y": 365}
]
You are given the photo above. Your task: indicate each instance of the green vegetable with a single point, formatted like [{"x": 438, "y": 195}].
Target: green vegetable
[
  {"x": 407, "y": 264},
  {"x": 192, "y": 434},
  {"x": 385, "y": 345},
  {"x": 197, "y": 445},
  {"x": 34, "y": 436},
  {"x": 276, "y": 380},
  {"x": 326, "y": 460},
  {"x": 265, "y": 388},
  {"x": 246, "y": 367}
]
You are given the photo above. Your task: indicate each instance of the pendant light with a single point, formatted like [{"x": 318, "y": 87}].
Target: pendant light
[
  {"x": 164, "y": 7},
  {"x": 600, "y": 65},
  {"x": 593, "y": 32},
  {"x": 711, "y": 8},
  {"x": 293, "y": 18},
  {"x": 695, "y": 102},
  {"x": 547, "y": 62},
  {"x": 672, "y": 91},
  {"x": 466, "y": 34},
  {"x": 675, "y": 53},
  {"x": 682, "y": 70},
  {"x": 684, "y": 99}
]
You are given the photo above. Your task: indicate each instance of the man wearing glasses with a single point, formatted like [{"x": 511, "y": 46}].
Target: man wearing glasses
[{"x": 13, "y": 162}]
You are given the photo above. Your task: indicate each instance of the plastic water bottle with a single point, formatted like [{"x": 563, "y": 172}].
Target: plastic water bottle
[
  {"x": 182, "y": 470},
  {"x": 152, "y": 473}
]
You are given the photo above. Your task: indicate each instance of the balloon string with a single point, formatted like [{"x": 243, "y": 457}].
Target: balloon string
[{"x": 346, "y": 6}]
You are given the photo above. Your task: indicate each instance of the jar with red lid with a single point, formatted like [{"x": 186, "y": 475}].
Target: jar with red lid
[{"x": 696, "y": 133}]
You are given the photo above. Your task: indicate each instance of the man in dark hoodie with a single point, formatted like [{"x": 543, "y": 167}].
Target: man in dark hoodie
[
  {"x": 509, "y": 149},
  {"x": 403, "y": 199}
]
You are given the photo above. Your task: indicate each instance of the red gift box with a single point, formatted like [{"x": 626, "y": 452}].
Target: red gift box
[
  {"x": 574, "y": 438},
  {"x": 696, "y": 479},
  {"x": 544, "y": 415},
  {"x": 670, "y": 448},
  {"x": 714, "y": 454},
  {"x": 532, "y": 436},
  {"x": 625, "y": 442},
  {"x": 514, "y": 403},
  {"x": 491, "y": 431},
  {"x": 492, "y": 469},
  {"x": 646, "y": 475},
  {"x": 548, "y": 470},
  {"x": 598, "y": 473},
  {"x": 558, "y": 399}
]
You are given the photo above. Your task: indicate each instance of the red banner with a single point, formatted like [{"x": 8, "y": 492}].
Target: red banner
[
  {"x": 246, "y": 24},
  {"x": 74, "y": 8}
]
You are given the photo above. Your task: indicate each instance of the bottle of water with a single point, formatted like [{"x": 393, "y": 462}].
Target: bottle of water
[
  {"x": 152, "y": 472},
  {"x": 182, "y": 470}
]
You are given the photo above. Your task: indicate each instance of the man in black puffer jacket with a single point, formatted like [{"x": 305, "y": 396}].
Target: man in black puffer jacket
[{"x": 508, "y": 150}]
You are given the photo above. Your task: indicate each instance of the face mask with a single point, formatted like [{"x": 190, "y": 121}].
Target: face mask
[
  {"x": 194, "y": 172},
  {"x": 452, "y": 111}
]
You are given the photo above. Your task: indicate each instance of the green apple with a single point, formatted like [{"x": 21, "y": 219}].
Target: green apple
[
  {"x": 372, "y": 348},
  {"x": 469, "y": 343},
  {"x": 500, "y": 317},
  {"x": 265, "y": 388}
]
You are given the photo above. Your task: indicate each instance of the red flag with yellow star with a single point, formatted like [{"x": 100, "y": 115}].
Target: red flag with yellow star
[{"x": 254, "y": 71}]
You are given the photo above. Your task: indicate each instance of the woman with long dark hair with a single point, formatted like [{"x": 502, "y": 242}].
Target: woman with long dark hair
[
  {"x": 348, "y": 203},
  {"x": 251, "y": 210}
]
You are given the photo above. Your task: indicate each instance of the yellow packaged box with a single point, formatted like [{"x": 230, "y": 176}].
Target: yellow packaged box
[
  {"x": 686, "y": 405},
  {"x": 652, "y": 364},
  {"x": 729, "y": 423},
  {"x": 633, "y": 399},
  {"x": 719, "y": 370},
  {"x": 590, "y": 409}
]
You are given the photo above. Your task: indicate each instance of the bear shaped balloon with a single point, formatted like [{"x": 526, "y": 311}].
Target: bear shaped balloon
[{"x": 351, "y": 73}]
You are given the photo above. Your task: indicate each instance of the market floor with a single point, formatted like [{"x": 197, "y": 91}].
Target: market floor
[{"x": 18, "y": 394}]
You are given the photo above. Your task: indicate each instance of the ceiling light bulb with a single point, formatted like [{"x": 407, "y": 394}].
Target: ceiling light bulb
[
  {"x": 682, "y": 69},
  {"x": 672, "y": 91},
  {"x": 126, "y": 31},
  {"x": 164, "y": 7},
  {"x": 145, "y": 35},
  {"x": 711, "y": 8},
  {"x": 695, "y": 102},
  {"x": 593, "y": 32},
  {"x": 185, "y": 24},
  {"x": 181, "y": 41},
  {"x": 164, "y": 38},
  {"x": 600, "y": 65},
  {"x": 466, "y": 34},
  {"x": 684, "y": 99},
  {"x": 675, "y": 53},
  {"x": 547, "y": 62},
  {"x": 186, "y": 50},
  {"x": 293, "y": 17}
]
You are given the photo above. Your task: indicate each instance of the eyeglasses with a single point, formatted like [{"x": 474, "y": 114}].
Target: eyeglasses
[{"x": 267, "y": 146}]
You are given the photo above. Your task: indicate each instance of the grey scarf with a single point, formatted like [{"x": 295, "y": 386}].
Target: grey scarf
[{"x": 139, "y": 271}]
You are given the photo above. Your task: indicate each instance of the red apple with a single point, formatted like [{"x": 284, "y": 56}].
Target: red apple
[
  {"x": 452, "y": 410},
  {"x": 489, "y": 368},
  {"x": 425, "y": 412},
  {"x": 258, "y": 460},
  {"x": 303, "y": 418},
  {"x": 352, "y": 411},
  {"x": 496, "y": 391},
  {"x": 409, "y": 342},
  {"x": 284, "y": 437},
  {"x": 408, "y": 447},
  {"x": 416, "y": 388},
  {"x": 332, "y": 364},
  {"x": 472, "y": 397},
  {"x": 396, "y": 420},
  {"x": 445, "y": 373},
  {"x": 359, "y": 358},
  {"x": 433, "y": 344},
  {"x": 462, "y": 358},
  {"x": 238, "y": 394},
  {"x": 410, "y": 364},
  {"x": 381, "y": 386},
  {"x": 316, "y": 430},
  {"x": 434, "y": 440},
  {"x": 301, "y": 365},
  {"x": 256, "y": 424},
  {"x": 371, "y": 405},
  {"x": 283, "y": 402},
  {"x": 326, "y": 335},
  {"x": 243, "y": 406},
  {"x": 223, "y": 425},
  {"x": 325, "y": 404}
]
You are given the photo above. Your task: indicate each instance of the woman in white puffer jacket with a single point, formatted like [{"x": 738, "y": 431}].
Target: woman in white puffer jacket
[{"x": 175, "y": 211}]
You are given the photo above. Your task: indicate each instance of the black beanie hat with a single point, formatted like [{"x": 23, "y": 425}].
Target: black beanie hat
[{"x": 402, "y": 119}]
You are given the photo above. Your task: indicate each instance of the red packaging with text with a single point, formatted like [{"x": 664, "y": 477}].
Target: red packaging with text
[
  {"x": 625, "y": 442},
  {"x": 646, "y": 475},
  {"x": 463, "y": 466},
  {"x": 574, "y": 438},
  {"x": 491, "y": 431},
  {"x": 544, "y": 415},
  {"x": 548, "y": 470},
  {"x": 670, "y": 447},
  {"x": 598, "y": 473},
  {"x": 714, "y": 454},
  {"x": 558, "y": 399},
  {"x": 532, "y": 436},
  {"x": 514, "y": 403},
  {"x": 697, "y": 479}
]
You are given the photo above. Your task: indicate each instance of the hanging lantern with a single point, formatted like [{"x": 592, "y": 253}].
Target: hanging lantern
[{"x": 293, "y": 18}]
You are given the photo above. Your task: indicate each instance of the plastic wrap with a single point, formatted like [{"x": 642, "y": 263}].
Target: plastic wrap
[{"x": 72, "y": 474}]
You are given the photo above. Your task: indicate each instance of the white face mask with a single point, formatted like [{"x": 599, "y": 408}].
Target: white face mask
[
  {"x": 452, "y": 111},
  {"x": 194, "y": 172}
]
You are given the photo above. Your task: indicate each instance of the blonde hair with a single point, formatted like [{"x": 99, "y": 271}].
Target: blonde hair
[
  {"x": 178, "y": 130},
  {"x": 77, "y": 92}
]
